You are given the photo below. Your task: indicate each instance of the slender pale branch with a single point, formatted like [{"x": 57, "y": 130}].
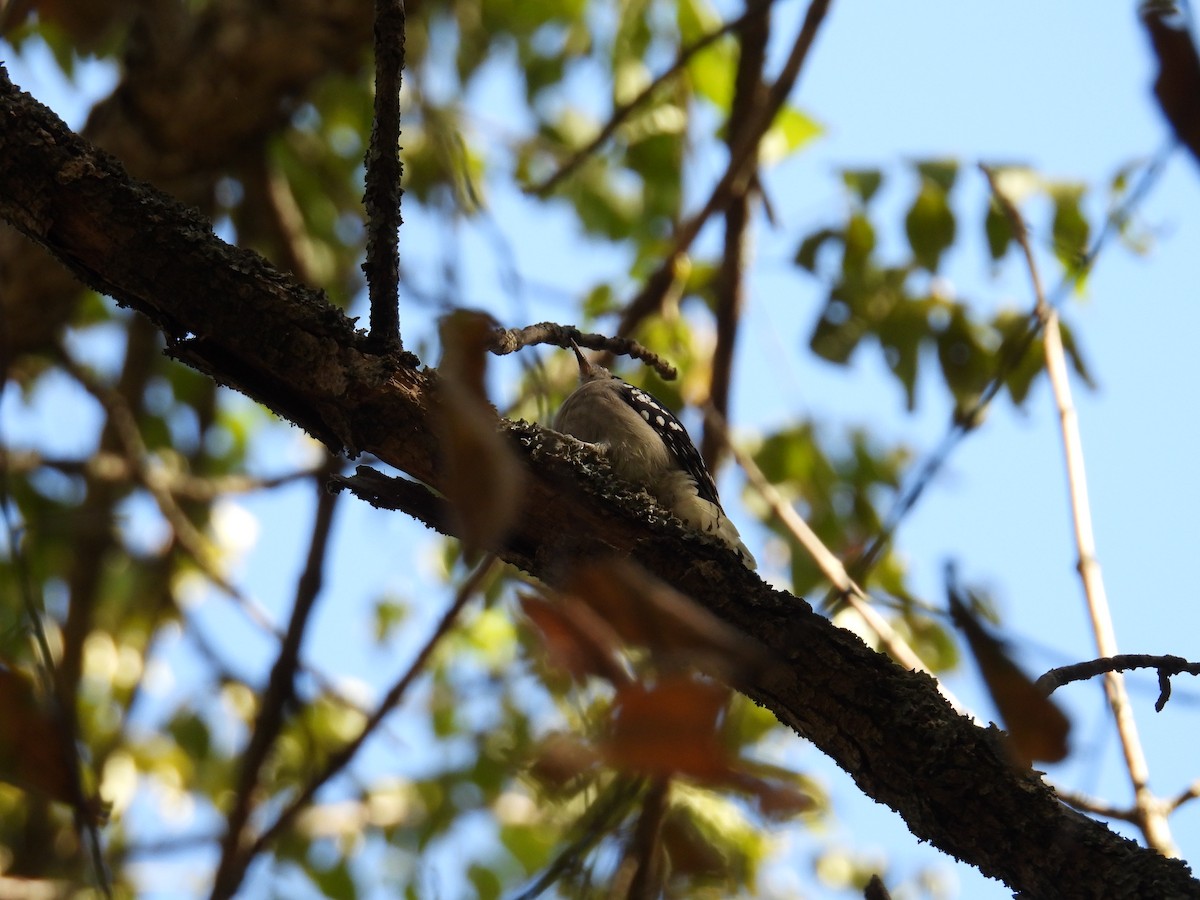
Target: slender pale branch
[
  {"x": 1152, "y": 818},
  {"x": 831, "y": 567}
]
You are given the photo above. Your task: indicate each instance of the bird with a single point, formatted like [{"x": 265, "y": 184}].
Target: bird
[{"x": 648, "y": 446}]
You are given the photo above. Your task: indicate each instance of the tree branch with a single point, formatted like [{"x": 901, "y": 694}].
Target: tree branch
[
  {"x": 384, "y": 170},
  {"x": 1153, "y": 820},
  {"x": 1166, "y": 666},
  {"x": 279, "y": 693}
]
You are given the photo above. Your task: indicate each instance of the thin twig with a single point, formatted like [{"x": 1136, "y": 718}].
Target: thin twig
[
  {"x": 509, "y": 340},
  {"x": 1097, "y": 807},
  {"x": 382, "y": 196},
  {"x": 1192, "y": 792},
  {"x": 1166, "y": 665},
  {"x": 117, "y": 469},
  {"x": 340, "y": 759},
  {"x": 622, "y": 112},
  {"x": 1152, "y": 820},
  {"x": 645, "y": 844},
  {"x": 279, "y": 693}
]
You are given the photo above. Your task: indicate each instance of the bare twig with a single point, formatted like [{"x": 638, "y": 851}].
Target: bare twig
[
  {"x": 1097, "y": 807},
  {"x": 622, "y": 112},
  {"x": 742, "y": 162},
  {"x": 1152, "y": 820},
  {"x": 279, "y": 693},
  {"x": 1191, "y": 792},
  {"x": 1166, "y": 665},
  {"x": 512, "y": 339},
  {"x": 645, "y": 843},
  {"x": 339, "y": 760},
  {"x": 116, "y": 468},
  {"x": 383, "y": 191},
  {"x": 1132, "y": 815}
]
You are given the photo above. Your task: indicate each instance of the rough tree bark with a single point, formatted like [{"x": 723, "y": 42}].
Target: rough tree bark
[{"x": 225, "y": 311}]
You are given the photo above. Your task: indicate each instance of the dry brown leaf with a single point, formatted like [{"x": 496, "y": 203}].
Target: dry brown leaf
[
  {"x": 1037, "y": 728},
  {"x": 1178, "y": 84},
  {"x": 483, "y": 475}
]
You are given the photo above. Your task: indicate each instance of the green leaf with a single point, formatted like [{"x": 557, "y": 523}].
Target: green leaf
[
  {"x": 530, "y": 845},
  {"x": 999, "y": 231},
  {"x": 486, "y": 882},
  {"x": 336, "y": 881},
  {"x": 863, "y": 182},
  {"x": 790, "y": 131},
  {"x": 1013, "y": 327},
  {"x": 810, "y": 247},
  {"x": 859, "y": 239},
  {"x": 942, "y": 173},
  {"x": 966, "y": 365},
  {"x": 1072, "y": 349},
  {"x": 930, "y": 224},
  {"x": 901, "y": 334},
  {"x": 1070, "y": 228}
]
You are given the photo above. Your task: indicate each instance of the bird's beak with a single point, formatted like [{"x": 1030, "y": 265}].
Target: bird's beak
[{"x": 585, "y": 367}]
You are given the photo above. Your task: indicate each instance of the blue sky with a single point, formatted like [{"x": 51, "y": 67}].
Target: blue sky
[{"x": 1064, "y": 88}]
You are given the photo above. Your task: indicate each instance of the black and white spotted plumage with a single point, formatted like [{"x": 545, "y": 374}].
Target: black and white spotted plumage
[
  {"x": 673, "y": 434},
  {"x": 647, "y": 445}
]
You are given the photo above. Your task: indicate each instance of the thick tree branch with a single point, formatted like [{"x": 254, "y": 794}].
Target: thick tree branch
[
  {"x": 239, "y": 68},
  {"x": 225, "y": 311}
]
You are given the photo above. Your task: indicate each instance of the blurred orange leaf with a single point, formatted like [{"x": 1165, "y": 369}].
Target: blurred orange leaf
[
  {"x": 32, "y": 746},
  {"x": 576, "y": 639},
  {"x": 672, "y": 727},
  {"x": 677, "y": 631},
  {"x": 779, "y": 798}
]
